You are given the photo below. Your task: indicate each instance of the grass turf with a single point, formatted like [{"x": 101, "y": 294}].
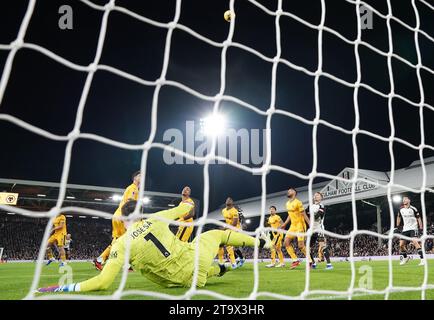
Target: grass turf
[{"x": 16, "y": 278}]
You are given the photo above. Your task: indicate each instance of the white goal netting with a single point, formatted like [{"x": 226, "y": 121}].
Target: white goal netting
[{"x": 220, "y": 97}]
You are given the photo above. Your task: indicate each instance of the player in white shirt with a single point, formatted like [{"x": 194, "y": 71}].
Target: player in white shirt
[
  {"x": 412, "y": 223},
  {"x": 318, "y": 211},
  {"x": 67, "y": 246}
]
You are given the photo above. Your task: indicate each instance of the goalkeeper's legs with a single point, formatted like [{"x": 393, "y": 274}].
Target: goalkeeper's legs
[{"x": 209, "y": 246}]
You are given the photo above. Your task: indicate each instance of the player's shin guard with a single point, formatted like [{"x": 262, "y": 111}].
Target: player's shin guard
[
  {"x": 326, "y": 254},
  {"x": 291, "y": 252}
]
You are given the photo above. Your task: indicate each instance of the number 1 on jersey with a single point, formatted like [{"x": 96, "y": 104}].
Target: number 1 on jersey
[{"x": 158, "y": 244}]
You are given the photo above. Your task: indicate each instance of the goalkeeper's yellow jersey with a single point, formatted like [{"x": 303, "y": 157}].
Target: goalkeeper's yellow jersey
[{"x": 154, "y": 251}]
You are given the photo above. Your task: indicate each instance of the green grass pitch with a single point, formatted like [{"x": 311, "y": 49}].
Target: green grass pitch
[{"x": 16, "y": 278}]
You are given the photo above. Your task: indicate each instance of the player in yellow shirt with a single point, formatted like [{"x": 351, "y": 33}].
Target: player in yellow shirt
[
  {"x": 160, "y": 256},
  {"x": 230, "y": 214},
  {"x": 184, "y": 232},
  {"x": 118, "y": 228},
  {"x": 57, "y": 239},
  {"x": 275, "y": 222},
  {"x": 298, "y": 218}
]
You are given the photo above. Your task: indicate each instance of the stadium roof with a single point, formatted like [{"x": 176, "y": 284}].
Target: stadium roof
[
  {"x": 41, "y": 196},
  {"x": 338, "y": 191}
]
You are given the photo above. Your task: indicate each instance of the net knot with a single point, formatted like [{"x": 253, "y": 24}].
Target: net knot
[{"x": 17, "y": 44}]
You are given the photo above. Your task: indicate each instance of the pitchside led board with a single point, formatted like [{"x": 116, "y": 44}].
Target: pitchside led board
[{"x": 8, "y": 198}]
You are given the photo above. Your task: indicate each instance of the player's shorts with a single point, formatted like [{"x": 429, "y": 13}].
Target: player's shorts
[
  {"x": 277, "y": 238},
  {"x": 296, "y": 229},
  {"x": 317, "y": 237},
  {"x": 410, "y": 234},
  {"x": 184, "y": 233},
  {"x": 59, "y": 239}
]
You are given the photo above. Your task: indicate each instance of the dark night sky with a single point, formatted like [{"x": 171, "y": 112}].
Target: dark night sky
[{"x": 46, "y": 93}]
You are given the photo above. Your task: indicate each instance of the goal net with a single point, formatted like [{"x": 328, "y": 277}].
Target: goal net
[{"x": 278, "y": 14}]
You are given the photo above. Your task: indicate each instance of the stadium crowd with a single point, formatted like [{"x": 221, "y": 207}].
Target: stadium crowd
[
  {"x": 21, "y": 239},
  {"x": 21, "y": 236}
]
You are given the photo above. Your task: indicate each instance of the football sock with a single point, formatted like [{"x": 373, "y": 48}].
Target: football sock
[
  {"x": 291, "y": 252},
  {"x": 49, "y": 253},
  {"x": 221, "y": 255},
  {"x": 327, "y": 254},
  {"x": 273, "y": 256},
  {"x": 281, "y": 259},
  {"x": 104, "y": 256}
]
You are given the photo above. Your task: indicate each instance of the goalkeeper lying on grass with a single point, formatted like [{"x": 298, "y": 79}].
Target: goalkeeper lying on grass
[{"x": 160, "y": 256}]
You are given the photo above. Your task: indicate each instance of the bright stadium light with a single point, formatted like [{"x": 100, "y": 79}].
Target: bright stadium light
[
  {"x": 117, "y": 197},
  {"x": 70, "y": 197},
  {"x": 146, "y": 200},
  {"x": 248, "y": 221},
  {"x": 41, "y": 195},
  {"x": 213, "y": 125},
  {"x": 171, "y": 205},
  {"x": 397, "y": 198},
  {"x": 98, "y": 199}
]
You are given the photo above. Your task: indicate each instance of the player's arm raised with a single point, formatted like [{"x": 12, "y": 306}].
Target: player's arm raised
[{"x": 177, "y": 212}]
